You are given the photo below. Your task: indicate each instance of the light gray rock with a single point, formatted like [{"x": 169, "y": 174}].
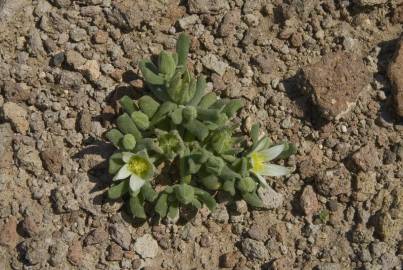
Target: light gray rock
[
  {"x": 253, "y": 249},
  {"x": 121, "y": 235},
  {"x": 17, "y": 116},
  {"x": 210, "y": 61},
  {"x": 146, "y": 246},
  {"x": 271, "y": 199},
  {"x": 208, "y": 6},
  {"x": 185, "y": 22}
]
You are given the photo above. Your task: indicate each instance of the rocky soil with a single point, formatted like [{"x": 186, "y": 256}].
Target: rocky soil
[{"x": 324, "y": 74}]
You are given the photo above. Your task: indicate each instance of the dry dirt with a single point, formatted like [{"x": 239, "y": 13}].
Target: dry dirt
[{"x": 314, "y": 72}]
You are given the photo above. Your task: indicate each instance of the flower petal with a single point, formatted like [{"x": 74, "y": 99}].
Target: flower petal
[
  {"x": 126, "y": 156},
  {"x": 276, "y": 170},
  {"x": 136, "y": 183},
  {"x": 272, "y": 152},
  {"x": 261, "y": 179},
  {"x": 122, "y": 173}
]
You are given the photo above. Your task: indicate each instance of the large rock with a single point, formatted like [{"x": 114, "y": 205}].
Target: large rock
[
  {"x": 146, "y": 246},
  {"x": 8, "y": 8},
  {"x": 17, "y": 115},
  {"x": 395, "y": 75},
  {"x": 336, "y": 82}
]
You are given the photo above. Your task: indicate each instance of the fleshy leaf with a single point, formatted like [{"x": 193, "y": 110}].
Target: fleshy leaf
[
  {"x": 207, "y": 100},
  {"x": 128, "y": 142},
  {"x": 246, "y": 185},
  {"x": 114, "y": 136},
  {"x": 184, "y": 193},
  {"x": 232, "y": 107},
  {"x": 166, "y": 64},
  {"x": 115, "y": 163},
  {"x": 252, "y": 199},
  {"x": 136, "y": 208},
  {"x": 148, "y": 192},
  {"x": 182, "y": 48},
  {"x": 141, "y": 120},
  {"x": 127, "y": 104},
  {"x": 117, "y": 191},
  {"x": 148, "y": 105},
  {"x": 149, "y": 76},
  {"x": 211, "y": 182},
  {"x": 198, "y": 129},
  {"x": 200, "y": 90},
  {"x": 161, "y": 207},
  {"x": 229, "y": 186},
  {"x": 127, "y": 126}
]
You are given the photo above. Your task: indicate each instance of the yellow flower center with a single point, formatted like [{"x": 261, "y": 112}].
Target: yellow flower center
[
  {"x": 257, "y": 161},
  {"x": 138, "y": 166}
]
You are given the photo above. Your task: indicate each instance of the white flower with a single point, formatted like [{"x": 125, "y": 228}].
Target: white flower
[
  {"x": 261, "y": 166},
  {"x": 138, "y": 167}
]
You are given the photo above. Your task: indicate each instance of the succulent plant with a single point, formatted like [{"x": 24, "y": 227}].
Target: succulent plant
[{"x": 189, "y": 131}]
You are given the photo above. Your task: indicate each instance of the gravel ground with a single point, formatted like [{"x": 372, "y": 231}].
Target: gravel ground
[{"x": 326, "y": 75}]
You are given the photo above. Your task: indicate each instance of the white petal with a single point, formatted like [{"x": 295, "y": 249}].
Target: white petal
[
  {"x": 261, "y": 179},
  {"x": 126, "y": 156},
  {"x": 136, "y": 183},
  {"x": 275, "y": 170},
  {"x": 272, "y": 152},
  {"x": 122, "y": 173}
]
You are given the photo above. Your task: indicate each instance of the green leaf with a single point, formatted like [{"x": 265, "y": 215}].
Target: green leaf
[
  {"x": 114, "y": 136},
  {"x": 117, "y": 191},
  {"x": 149, "y": 76},
  {"x": 141, "y": 120},
  {"x": 184, "y": 193},
  {"x": 254, "y": 133},
  {"x": 200, "y": 90},
  {"x": 252, "y": 199},
  {"x": 196, "y": 203},
  {"x": 210, "y": 182},
  {"x": 115, "y": 163},
  {"x": 166, "y": 64},
  {"x": 161, "y": 207},
  {"x": 137, "y": 208},
  {"x": 127, "y": 104},
  {"x": 198, "y": 129},
  {"x": 128, "y": 142},
  {"x": 189, "y": 113},
  {"x": 206, "y": 198},
  {"x": 214, "y": 165},
  {"x": 176, "y": 116},
  {"x": 289, "y": 150},
  {"x": 208, "y": 114},
  {"x": 148, "y": 192},
  {"x": 163, "y": 110},
  {"x": 148, "y": 105},
  {"x": 127, "y": 126},
  {"x": 173, "y": 211},
  {"x": 229, "y": 186},
  {"x": 207, "y": 100},
  {"x": 182, "y": 48},
  {"x": 232, "y": 107},
  {"x": 246, "y": 185}
]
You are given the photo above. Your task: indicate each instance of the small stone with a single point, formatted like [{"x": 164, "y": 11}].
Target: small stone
[
  {"x": 282, "y": 263},
  {"x": 53, "y": 159},
  {"x": 346, "y": 78},
  {"x": 121, "y": 235},
  {"x": 229, "y": 260},
  {"x": 90, "y": 69},
  {"x": 205, "y": 240},
  {"x": 370, "y": 2},
  {"x": 78, "y": 34},
  {"x": 251, "y": 20},
  {"x": 207, "y": 6},
  {"x": 334, "y": 181},
  {"x": 29, "y": 226},
  {"x": 188, "y": 21},
  {"x": 146, "y": 246},
  {"x": 229, "y": 23},
  {"x": 308, "y": 201},
  {"x": 17, "y": 116},
  {"x": 35, "y": 250},
  {"x": 220, "y": 214},
  {"x": 115, "y": 253},
  {"x": 96, "y": 236},
  {"x": 258, "y": 232},
  {"x": 100, "y": 37},
  {"x": 365, "y": 183},
  {"x": 367, "y": 158},
  {"x": 390, "y": 261},
  {"x": 253, "y": 249},
  {"x": 329, "y": 266},
  {"x": 85, "y": 122},
  {"x": 57, "y": 253},
  {"x": 388, "y": 228},
  {"x": 210, "y": 61},
  {"x": 270, "y": 198},
  {"x": 58, "y": 59},
  {"x": 395, "y": 72},
  {"x": 241, "y": 207},
  {"x": 75, "y": 59},
  {"x": 297, "y": 40},
  {"x": 16, "y": 92},
  {"x": 8, "y": 233},
  {"x": 29, "y": 159},
  {"x": 75, "y": 253}
]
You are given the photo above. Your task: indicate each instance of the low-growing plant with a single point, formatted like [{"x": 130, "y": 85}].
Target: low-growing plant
[{"x": 183, "y": 128}]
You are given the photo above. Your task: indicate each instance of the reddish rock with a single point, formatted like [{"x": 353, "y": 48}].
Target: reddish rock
[
  {"x": 75, "y": 253},
  {"x": 336, "y": 82},
  {"x": 308, "y": 201},
  {"x": 115, "y": 253},
  {"x": 229, "y": 260},
  {"x": 53, "y": 159},
  {"x": 100, "y": 37},
  {"x": 367, "y": 158},
  {"x": 8, "y": 233},
  {"x": 395, "y": 75}
]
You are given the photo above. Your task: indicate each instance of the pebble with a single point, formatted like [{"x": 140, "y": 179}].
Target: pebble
[
  {"x": 253, "y": 249},
  {"x": 146, "y": 246},
  {"x": 121, "y": 235},
  {"x": 210, "y": 61},
  {"x": 270, "y": 198},
  {"x": 78, "y": 34},
  {"x": 308, "y": 201},
  {"x": 188, "y": 21},
  {"x": 17, "y": 115},
  {"x": 8, "y": 233}
]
